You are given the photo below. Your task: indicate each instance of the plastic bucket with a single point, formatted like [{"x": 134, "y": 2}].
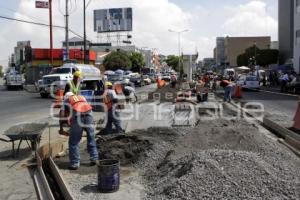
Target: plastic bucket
[{"x": 108, "y": 176}]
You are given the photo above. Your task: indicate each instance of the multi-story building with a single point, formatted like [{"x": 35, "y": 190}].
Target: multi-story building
[
  {"x": 235, "y": 46},
  {"x": 286, "y": 30},
  {"x": 220, "y": 51},
  {"x": 296, "y": 36}
]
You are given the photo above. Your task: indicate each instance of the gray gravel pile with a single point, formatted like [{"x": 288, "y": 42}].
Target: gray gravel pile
[
  {"x": 220, "y": 175},
  {"x": 223, "y": 160}
]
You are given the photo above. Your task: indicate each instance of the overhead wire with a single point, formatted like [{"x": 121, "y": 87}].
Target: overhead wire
[{"x": 39, "y": 24}]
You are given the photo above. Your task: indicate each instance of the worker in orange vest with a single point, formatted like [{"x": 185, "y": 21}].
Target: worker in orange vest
[
  {"x": 110, "y": 99},
  {"x": 80, "y": 119},
  {"x": 74, "y": 87}
]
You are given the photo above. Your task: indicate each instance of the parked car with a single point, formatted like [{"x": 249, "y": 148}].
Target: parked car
[
  {"x": 137, "y": 79},
  {"x": 152, "y": 77},
  {"x": 113, "y": 78},
  {"x": 248, "y": 82},
  {"x": 166, "y": 77},
  {"x": 147, "y": 80}
]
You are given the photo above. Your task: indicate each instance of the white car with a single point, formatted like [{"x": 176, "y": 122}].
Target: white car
[
  {"x": 147, "y": 80},
  {"x": 248, "y": 82}
]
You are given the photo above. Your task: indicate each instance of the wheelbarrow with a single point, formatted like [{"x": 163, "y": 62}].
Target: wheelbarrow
[{"x": 29, "y": 132}]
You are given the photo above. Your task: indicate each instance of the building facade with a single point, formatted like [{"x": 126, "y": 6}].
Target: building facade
[
  {"x": 286, "y": 30},
  {"x": 274, "y": 45},
  {"x": 235, "y": 46},
  {"x": 296, "y": 36},
  {"x": 220, "y": 51}
]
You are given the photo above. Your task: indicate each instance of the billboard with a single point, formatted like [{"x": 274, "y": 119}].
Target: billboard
[{"x": 113, "y": 20}]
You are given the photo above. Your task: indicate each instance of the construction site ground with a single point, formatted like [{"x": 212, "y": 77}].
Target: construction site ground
[{"x": 221, "y": 158}]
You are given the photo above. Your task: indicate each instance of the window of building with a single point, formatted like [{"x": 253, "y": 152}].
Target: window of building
[
  {"x": 298, "y": 6},
  {"x": 298, "y": 37}
]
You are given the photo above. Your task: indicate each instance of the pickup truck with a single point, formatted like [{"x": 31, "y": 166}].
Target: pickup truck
[{"x": 58, "y": 78}]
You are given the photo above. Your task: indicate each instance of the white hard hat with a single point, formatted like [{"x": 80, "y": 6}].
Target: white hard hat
[{"x": 68, "y": 95}]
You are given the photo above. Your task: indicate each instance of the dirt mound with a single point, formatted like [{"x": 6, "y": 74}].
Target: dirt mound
[{"x": 126, "y": 149}]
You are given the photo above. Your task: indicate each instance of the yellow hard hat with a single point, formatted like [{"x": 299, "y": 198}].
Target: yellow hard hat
[
  {"x": 77, "y": 74},
  {"x": 108, "y": 83}
]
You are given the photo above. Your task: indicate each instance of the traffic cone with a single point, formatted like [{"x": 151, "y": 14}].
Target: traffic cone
[
  {"x": 58, "y": 98},
  {"x": 296, "y": 125},
  {"x": 238, "y": 92}
]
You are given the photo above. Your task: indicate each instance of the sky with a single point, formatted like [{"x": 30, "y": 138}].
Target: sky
[{"x": 205, "y": 20}]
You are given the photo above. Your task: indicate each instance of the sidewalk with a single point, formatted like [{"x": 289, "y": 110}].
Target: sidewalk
[{"x": 270, "y": 88}]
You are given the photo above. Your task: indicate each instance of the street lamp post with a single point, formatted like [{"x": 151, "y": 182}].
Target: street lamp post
[{"x": 179, "y": 46}]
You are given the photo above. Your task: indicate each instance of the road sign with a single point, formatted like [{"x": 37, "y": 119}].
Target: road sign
[
  {"x": 41, "y": 4},
  {"x": 65, "y": 54}
]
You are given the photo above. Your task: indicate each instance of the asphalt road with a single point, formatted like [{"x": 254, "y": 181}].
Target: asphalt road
[
  {"x": 20, "y": 106},
  {"x": 274, "y": 102}
]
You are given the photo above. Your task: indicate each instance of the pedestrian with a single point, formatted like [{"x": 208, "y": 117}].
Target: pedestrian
[
  {"x": 271, "y": 79},
  {"x": 264, "y": 79},
  {"x": 227, "y": 85},
  {"x": 113, "y": 113},
  {"x": 283, "y": 82},
  {"x": 275, "y": 78},
  {"x": 74, "y": 87},
  {"x": 80, "y": 119}
]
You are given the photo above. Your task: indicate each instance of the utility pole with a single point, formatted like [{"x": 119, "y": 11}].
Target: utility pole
[
  {"x": 84, "y": 35},
  {"x": 67, "y": 30},
  {"x": 51, "y": 34},
  {"x": 179, "y": 47}
]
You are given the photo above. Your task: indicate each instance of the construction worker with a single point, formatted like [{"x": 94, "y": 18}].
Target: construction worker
[
  {"x": 80, "y": 119},
  {"x": 74, "y": 87},
  {"x": 110, "y": 99},
  {"x": 227, "y": 85}
]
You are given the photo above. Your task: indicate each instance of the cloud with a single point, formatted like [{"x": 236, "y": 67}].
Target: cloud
[
  {"x": 250, "y": 19},
  {"x": 151, "y": 21}
]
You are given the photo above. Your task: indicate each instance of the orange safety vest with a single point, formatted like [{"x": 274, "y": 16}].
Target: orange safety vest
[
  {"x": 107, "y": 100},
  {"x": 79, "y": 104}
]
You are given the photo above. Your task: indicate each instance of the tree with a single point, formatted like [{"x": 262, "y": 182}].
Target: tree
[
  {"x": 263, "y": 57},
  {"x": 117, "y": 60},
  {"x": 172, "y": 61},
  {"x": 137, "y": 61},
  {"x": 242, "y": 60},
  {"x": 1, "y": 71}
]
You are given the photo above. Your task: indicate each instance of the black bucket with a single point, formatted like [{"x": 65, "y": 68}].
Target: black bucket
[{"x": 108, "y": 176}]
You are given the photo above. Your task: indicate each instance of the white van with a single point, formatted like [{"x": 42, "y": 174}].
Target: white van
[{"x": 58, "y": 78}]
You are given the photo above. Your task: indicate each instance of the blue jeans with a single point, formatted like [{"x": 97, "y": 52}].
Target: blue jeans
[
  {"x": 78, "y": 124},
  {"x": 113, "y": 117},
  {"x": 227, "y": 93}
]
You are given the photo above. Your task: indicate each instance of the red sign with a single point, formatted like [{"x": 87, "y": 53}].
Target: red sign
[{"x": 41, "y": 4}]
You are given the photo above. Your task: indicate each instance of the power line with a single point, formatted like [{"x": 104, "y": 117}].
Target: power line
[{"x": 38, "y": 23}]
